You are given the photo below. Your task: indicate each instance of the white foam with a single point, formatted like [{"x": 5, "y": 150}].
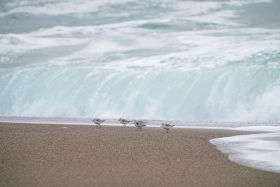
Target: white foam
[
  {"x": 261, "y": 151},
  {"x": 61, "y": 8},
  {"x": 28, "y": 41},
  {"x": 219, "y": 17},
  {"x": 266, "y": 107}
]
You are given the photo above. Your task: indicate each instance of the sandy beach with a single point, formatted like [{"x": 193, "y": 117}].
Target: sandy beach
[{"x": 72, "y": 155}]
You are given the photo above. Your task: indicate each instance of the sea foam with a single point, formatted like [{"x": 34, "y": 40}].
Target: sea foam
[{"x": 260, "y": 151}]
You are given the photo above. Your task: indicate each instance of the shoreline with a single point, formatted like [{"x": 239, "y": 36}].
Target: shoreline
[
  {"x": 114, "y": 121},
  {"x": 260, "y": 150},
  {"x": 73, "y": 155}
]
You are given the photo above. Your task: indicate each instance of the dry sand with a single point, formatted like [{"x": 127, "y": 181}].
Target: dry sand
[{"x": 52, "y": 155}]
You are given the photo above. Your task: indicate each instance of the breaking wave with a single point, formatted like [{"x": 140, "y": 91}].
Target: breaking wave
[{"x": 170, "y": 60}]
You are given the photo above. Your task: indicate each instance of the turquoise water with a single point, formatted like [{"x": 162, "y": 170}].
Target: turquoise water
[{"x": 162, "y": 59}]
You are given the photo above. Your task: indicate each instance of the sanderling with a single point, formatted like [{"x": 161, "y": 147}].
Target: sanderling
[
  {"x": 124, "y": 121},
  {"x": 98, "y": 121},
  {"x": 167, "y": 126},
  {"x": 139, "y": 124}
]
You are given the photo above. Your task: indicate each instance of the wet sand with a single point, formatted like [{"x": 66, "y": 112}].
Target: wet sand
[{"x": 65, "y": 155}]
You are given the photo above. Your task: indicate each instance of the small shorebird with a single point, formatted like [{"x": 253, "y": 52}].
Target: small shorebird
[
  {"x": 139, "y": 124},
  {"x": 98, "y": 121},
  {"x": 167, "y": 126},
  {"x": 124, "y": 121}
]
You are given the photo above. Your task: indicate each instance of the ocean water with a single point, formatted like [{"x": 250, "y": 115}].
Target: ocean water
[
  {"x": 163, "y": 59},
  {"x": 260, "y": 151}
]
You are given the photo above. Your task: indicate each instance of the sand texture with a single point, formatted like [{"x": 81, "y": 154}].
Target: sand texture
[{"x": 61, "y": 155}]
